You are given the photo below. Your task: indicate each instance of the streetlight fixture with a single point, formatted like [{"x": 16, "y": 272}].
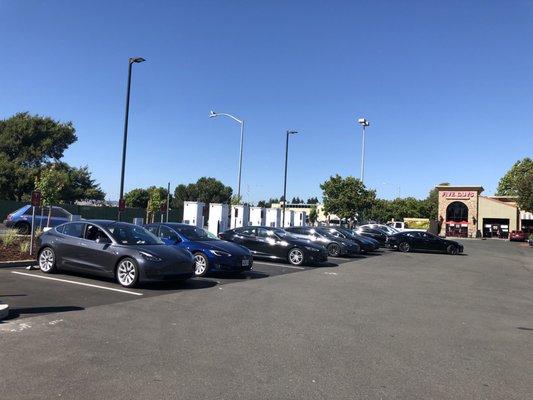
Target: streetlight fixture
[
  {"x": 285, "y": 181},
  {"x": 213, "y": 114},
  {"x": 364, "y": 123},
  {"x": 131, "y": 61}
]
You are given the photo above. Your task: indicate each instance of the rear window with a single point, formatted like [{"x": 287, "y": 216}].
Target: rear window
[{"x": 74, "y": 229}]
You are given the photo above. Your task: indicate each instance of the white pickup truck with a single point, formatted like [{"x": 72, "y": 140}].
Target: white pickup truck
[{"x": 402, "y": 226}]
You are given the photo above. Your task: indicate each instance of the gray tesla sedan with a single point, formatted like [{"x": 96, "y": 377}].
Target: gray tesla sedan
[{"x": 129, "y": 253}]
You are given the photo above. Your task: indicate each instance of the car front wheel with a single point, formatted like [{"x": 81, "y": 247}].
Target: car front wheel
[
  {"x": 47, "y": 260},
  {"x": 128, "y": 272},
  {"x": 404, "y": 247},
  {"x": 334, "y": 250},
  {"x": 296, "y": 256},
  {"x": 452, "y": 249},
  {"x": 201, "y": 264},
  {"x": 23, "y": 228}
]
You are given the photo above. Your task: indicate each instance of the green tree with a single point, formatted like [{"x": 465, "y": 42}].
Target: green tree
[
  {"x": 80, "y": 185},
  {"x": 157, "y": 197},
  {"x": 27, "y": 143},
  {"x": 347, "y": 197},
  {"x": 137, "y": 198},
  {"x": 518, "y": 182},
  {"x": 313, "y": 215},
  {"x": 207, "y": 190},
  {"x": 50, "y": 183},
  {"x": 267, "y": 203},
  {"x": 312, "y": 200}
]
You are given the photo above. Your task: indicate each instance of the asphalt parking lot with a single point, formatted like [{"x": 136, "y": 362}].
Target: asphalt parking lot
[
  {"x": 389, "y": 326},
  {"x": 30, "y": 292}
]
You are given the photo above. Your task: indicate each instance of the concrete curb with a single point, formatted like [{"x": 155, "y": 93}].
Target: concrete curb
[
  {"x": 4, "y": 310},
  {"x": 12, "y": 264}
]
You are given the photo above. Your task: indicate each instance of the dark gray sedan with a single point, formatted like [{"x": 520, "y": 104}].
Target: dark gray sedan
[{"x": 129, "y": 253}]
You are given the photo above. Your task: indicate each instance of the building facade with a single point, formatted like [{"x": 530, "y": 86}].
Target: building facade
[{"x": 464, "y": 212}]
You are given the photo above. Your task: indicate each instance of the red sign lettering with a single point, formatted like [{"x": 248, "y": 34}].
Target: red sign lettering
[{"x": 458, "y": 195}]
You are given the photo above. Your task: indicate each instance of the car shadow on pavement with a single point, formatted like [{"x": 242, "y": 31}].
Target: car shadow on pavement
[
  {"x": 179, "y": 285},
  {"x": 17, "y": 312},
  {"x": 241, "y": 276}
]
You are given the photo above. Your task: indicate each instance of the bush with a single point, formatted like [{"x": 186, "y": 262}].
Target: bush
[
  {"x": 25, "y": 247},
  {"x": 9, "y": 237}
]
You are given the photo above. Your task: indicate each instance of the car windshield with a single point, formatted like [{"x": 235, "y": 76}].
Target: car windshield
[
  {"x": 195, "y": 233},
  {"x": 132, "y": 234}
]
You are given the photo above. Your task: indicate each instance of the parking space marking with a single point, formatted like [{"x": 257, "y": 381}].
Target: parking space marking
[
  {"x": 77, "y": 283},
  {"x": 278, "y": 265}
]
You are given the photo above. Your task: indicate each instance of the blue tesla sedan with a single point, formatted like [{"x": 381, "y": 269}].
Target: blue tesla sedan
[{"x": 210, "y": 253}]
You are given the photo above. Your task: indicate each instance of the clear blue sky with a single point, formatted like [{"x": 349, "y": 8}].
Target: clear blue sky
[{"x": 446, "y": 85}]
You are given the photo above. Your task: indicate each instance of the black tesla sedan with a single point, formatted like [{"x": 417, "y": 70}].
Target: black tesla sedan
[
  {"x": 415, "y": 240},
  {"x": 366, "y": 243},
  {"x": 336, "y": 245},
  {"x": 126, "y": 252},
  {"x": 375, "y": 234},
  {"x": 275, "y": 243}
]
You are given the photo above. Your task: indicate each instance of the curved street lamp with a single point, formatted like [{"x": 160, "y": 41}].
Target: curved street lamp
[
  {"x": 364, "y": 123},
  {"x": 213, "y": 114}
]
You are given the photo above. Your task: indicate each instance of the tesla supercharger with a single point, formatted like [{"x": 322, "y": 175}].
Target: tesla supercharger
[
  {"x": 289, "y": 218},
  {"x": 193, "y": 213},
  {"x": 299, "y": 218},
  {"x": 257, "y": 216},
  {"x": 240, "y": 216},
  {"x": 273, "y": 217},
  {"x": 218, "y": 218}
]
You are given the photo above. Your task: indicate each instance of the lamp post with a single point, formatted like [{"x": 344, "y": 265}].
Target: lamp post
[
  {"x": 364, "y": 123},
  {"x": 131, "y": 61},
  {"x": 213, "y": 114},
  {"x": 285, "y": 180}
]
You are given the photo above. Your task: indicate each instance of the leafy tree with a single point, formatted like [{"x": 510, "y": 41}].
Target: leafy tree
[
  {"x": 235, "y": 200},
  {"x": 267, "y": 203},
  {"x": 312, "y": 200},
  {"x": 27, "y": 143},
  {"x": 157, "y": 197},
  {"x": 206, "y": 190},
  {"x": 518, "y": 182},
  {"x": 50, "y": 183},
  {"x": 80, "y": 185},
  {"x": 137, "y": 198},
  {"x": 346, "y": 197},
  {"x": 313, "y": 215},
  {"x": 525, "y": 191},
  {"x": 297, "y": 200}
]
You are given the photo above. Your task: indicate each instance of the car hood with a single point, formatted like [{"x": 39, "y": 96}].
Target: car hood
[
  {"x": 223, "y": 245},
  {"x": 164, "y": 251}
]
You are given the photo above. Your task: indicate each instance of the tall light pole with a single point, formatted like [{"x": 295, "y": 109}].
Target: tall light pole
[
  {"x": 285, "y": 181},
  {"x": 213, "y": 114},
  {"x": 364, "y": 123},
  {"x": 131, "y": 61}
]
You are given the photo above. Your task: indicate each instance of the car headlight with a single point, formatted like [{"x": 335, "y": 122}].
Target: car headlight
[
  {"x": 220, "y": 253},
  {"x": 149, "y": 257},
  {"x": 311, "y": 248}
]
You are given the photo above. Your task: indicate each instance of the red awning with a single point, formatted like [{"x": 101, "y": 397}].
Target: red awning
[{"x": 457, "y": 222}]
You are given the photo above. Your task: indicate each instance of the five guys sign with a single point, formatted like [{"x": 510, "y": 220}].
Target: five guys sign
[{"x": 458, "y": 195}]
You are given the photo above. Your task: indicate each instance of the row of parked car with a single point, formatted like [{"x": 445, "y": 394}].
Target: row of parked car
[{"x": 172, "y": 251}]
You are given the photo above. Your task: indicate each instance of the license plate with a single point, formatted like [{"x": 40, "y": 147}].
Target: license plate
[{"x": 245, "y": 263}]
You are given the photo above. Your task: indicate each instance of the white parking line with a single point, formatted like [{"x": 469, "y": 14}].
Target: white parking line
[
  {"x": 278, "y": 265},
  {"x": 77, "y": 283}
]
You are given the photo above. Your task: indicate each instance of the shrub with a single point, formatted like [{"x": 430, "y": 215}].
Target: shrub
[
  {"x": 9, "y": 237},
  {"x": 25, "y": 247}
]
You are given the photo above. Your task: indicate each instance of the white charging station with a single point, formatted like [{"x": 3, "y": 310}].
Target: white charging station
[
  {"x": 193, "y": 213},
  {"x": 273, "y": 217},
  {"x": 299, "y": 218},
  {"x": 257, "y": 216},
  {"x": 289, "y": 218},
  {"x": 218, "y": 218},
  {"x": 240, "y": 216}
]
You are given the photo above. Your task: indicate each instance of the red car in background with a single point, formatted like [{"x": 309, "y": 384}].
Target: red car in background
[{"x": 518, "y": 236}]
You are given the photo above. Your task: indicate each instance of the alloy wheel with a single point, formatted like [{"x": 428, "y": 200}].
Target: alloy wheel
[
  {"x": 46, "y": 260},
  {"x": 334, "y": 250},
  {"x": 296, "y": 256},
  {"x": 404, "y": 247},
  {"x": 200, "y": 264},
  {"x": 126, "y": 273}
]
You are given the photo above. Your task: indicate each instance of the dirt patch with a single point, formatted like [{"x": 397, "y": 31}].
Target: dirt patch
[{"x": 13, "y": 251}]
